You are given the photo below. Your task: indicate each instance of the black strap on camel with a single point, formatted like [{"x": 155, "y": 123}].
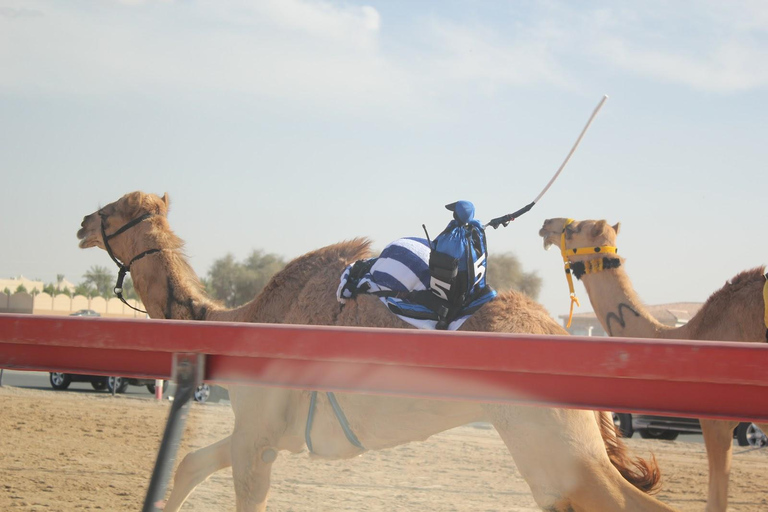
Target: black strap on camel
[{"x": 123, "y": 268}]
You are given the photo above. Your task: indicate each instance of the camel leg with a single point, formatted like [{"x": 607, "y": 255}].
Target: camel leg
[
  {"x": 252, "y": 459},
  {"x": 718, "y": 438},
  {"x": 561, "y": 455},
  {"x": 195, "y": 468},
  {"x": 261, "y": 420}
]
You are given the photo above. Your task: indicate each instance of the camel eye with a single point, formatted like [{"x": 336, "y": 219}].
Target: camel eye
[{"x": 106, "y": 211}]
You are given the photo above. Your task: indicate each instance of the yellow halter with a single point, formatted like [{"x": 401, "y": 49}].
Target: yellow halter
[{"x": 579, "y": 251}]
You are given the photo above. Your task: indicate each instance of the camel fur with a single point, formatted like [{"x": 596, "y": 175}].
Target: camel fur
[
  {"x": 733, "y": 313},
  {"x": 571, "y": 459}
]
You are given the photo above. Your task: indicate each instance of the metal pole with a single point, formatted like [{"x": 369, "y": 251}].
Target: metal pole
[{"x": 187, "y": 372}]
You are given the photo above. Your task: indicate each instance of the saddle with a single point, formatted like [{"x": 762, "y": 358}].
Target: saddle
[{"x": 435, "y": 284}]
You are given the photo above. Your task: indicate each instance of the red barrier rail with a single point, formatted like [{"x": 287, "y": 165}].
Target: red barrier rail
[{"x": 687, "y": 378}]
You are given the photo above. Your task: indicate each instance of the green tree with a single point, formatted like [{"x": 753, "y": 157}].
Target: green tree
[
  {"x": 57, "y": 289},
  {"x": 262, "y": 267},
  {"x": 129, "y": 292},
  {"x": 21, "y": 289},
  {"x": 86, "y": 289},
  {"x": 222, "y": 279},
  {"x": 506, "y": 273},
  {"x": 101, "y": 279},
  {"x": 236, "y": 283},
  {"x": 7, "y": 291}
]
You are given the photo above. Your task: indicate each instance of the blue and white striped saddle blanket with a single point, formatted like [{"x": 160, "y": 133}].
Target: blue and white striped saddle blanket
[{"x": 403, "y": 266}]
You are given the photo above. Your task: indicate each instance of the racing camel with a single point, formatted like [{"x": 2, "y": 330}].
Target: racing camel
[
  {"x": 571, "y": 459},
  {"x": 733, "y": 313}
]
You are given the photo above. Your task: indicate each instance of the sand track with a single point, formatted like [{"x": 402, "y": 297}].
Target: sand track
[{"x": 74, "y": 452}]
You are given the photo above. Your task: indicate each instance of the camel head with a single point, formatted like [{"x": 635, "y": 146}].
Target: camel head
[
  {"x": 115, "y": 216},
  {"x": 578, "y": 234}
]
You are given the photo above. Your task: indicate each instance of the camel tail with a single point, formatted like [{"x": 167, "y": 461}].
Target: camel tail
[{"x": 643, "y": 474}]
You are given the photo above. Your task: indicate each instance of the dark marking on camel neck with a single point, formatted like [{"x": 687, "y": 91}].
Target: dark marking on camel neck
[
  {"x": 619, "y": 317},
  {"x": 188, "y": 304}
]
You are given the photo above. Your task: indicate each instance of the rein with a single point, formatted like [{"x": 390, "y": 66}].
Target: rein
[
  {"x": 123, "y": 268},
  {"x": 584, "y": 267}
]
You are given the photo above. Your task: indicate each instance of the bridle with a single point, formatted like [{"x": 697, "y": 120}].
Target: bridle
[
  {"x": 123, "y": 268},
  {"x": 584, "y": 267}
]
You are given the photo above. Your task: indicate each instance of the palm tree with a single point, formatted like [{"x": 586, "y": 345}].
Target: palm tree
[
  {"x": 101, "y": 279},
  {"x": 86, "y": 290}
]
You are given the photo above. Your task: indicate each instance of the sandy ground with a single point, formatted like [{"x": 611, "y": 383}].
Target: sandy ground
[{"x": 85, "y": 452}]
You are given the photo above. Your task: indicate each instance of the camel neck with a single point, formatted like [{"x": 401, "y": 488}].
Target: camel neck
[
  {"x": 169, "y": 288},
  {"x": 164, "y": 280},
  {"x": 617, "y": 306}
]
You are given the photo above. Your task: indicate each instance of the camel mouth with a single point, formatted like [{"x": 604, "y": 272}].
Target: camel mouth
[
  {"x": 86, "y": 241},
  {"x": 546, "y": 235}
]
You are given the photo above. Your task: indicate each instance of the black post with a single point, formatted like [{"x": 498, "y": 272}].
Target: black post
[{"x": 187, "y": 373}]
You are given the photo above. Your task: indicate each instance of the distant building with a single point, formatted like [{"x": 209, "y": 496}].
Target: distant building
[
  {"x": 673, "y": 315},
  {"x": 13, "y": 284},
  {"x": 65, "y": 285},
  {"x": 30, "y": 285}
]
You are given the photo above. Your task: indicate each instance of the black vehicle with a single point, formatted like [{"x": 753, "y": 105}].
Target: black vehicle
[
  {"x": 669, "y": 428},
  {"x": 61, "y": 381},
  {"x": 85, "y": 312}
]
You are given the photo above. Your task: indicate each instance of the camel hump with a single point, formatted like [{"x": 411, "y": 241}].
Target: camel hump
[
  {"x": 347, "y": 250},
  {"x": 355, "y": 249}
]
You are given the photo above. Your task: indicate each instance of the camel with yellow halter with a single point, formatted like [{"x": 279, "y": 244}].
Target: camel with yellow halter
[{"x": 736, "y": 312}]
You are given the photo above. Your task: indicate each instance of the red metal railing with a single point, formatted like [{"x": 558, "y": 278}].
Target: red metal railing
[{"x": 687, "y": 378}]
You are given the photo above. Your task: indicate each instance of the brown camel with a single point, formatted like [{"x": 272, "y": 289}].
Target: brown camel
[
  {"x": 571, "y": 459},
  {"x": 733, "y": 313}
]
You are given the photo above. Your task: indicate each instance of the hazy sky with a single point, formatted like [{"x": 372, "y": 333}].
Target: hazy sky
[{"x": 286, "y": 125}]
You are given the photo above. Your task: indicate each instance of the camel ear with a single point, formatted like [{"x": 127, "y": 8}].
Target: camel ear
[
  {"x": 132, "y": 203},
  {"x": 616, "y": 227},
  {"x": 166, "y": 204},
  {"x": 599, "y": 228}
]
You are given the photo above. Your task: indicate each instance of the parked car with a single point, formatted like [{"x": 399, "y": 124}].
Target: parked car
[
  {"x": 61, "y": 381},
  {"x": 670, "y": 427},
  {"x": 85, "y": 312}
]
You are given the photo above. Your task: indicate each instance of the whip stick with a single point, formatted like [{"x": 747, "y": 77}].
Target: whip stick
[{"x": 506, "y": 219}]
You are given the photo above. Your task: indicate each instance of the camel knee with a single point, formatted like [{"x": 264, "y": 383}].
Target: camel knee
[
  {"x": 562, "y": 490},
  {"x": 550, "y": 501},
  {"x": 586, "y": 484},
  {"x": 251, "y": 470}
]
